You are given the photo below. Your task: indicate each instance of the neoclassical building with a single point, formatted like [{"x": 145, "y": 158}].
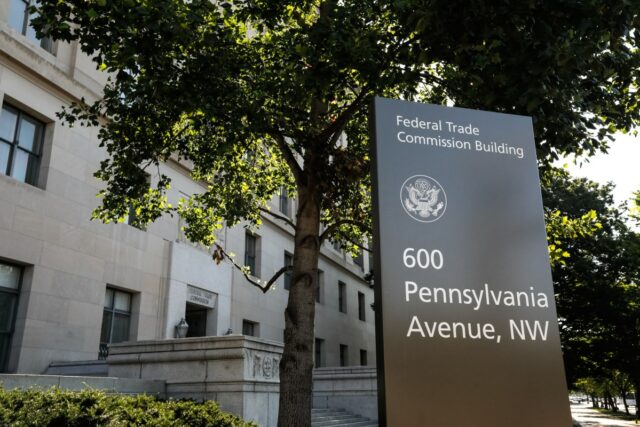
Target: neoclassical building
[{"x": 70, "y": 286}]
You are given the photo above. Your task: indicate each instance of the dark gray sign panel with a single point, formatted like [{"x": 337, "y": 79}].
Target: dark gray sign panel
[{"x": 465, "y": 314}]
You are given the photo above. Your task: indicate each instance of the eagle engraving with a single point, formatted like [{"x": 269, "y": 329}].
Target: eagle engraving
[{"x": 423, "y": 198}]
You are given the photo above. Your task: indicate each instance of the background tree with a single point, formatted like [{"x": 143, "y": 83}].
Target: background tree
[
  {"x": 597, "y": 290},
  {"x": 264, "y": 93},
  {"x": 623, "y": 386},
  {"x": 635, "y": 206}
]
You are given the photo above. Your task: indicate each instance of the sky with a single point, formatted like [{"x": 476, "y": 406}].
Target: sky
[{"x": 621, "y": 165}]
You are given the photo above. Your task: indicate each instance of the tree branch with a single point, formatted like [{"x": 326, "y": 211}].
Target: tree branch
[
  {"x": 334, "y": 130},
  {"x": 364, "y": 248},
  {"x": 431, "y": 77},
  {"x": 276, "y": 275},
  {"x": 336, "y": 226},
  {"x": 219, "y": 254},
  {"x": 280, "y": 217},
  {"x": 296, "y": 170},
  {"x": 441, "y": 82}
]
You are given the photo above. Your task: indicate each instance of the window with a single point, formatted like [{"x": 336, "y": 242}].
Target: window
[
  {"x": 361, "y": 305},
  {"x": 250, "y": 328},
  {"x": 116, "y": 319},
  {"x": 131, "y": 218},
  {"x": 20, "y": 145},
  {"x": 342, "y": 297},
  {"x": 19, "y": 18},
  {"x": 10, "y": 277},
  {"x": 336, "y": 245},
  {"x": 288, "y": 261},
  {"x": 359, "y": 260},
  {"x": 251, "y": 253},
  {"x": 319, "y": 286},
  {"x": 284, "y": 206},
  {"x": 363, "y": 358},
  {"x": 319, "y": 353},
  {"x": 344, "y": 355}
]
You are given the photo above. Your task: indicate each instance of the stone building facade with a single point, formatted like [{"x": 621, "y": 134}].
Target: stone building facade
[{"x": 70, "y": 286}]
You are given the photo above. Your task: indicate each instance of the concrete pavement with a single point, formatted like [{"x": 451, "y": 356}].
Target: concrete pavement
[{"x": 588, "y": 417}]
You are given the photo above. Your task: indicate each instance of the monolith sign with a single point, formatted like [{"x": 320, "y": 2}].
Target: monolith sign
[{"x": 465, "y": 314}]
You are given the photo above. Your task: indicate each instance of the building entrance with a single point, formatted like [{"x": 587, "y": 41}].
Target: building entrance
[
  {"x": 10, "y": 276},
  {"x": 196, "y": 317}
]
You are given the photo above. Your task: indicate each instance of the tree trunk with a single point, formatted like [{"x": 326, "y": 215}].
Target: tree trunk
[
  {"x": 624, "y": 401},
  {"x": 636, "y": 384},
  {"x": 296, "y": 365},
  {"x": 613, "y": 404}
]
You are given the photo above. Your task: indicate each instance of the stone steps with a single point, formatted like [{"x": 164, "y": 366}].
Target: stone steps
[{"x": 339, "y": 418}]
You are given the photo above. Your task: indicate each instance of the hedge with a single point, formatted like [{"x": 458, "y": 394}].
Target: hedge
[{"x": 60, "y": 408}]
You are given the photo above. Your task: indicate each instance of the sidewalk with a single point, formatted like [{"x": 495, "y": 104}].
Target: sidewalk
[{"x": 588, "y": 417}]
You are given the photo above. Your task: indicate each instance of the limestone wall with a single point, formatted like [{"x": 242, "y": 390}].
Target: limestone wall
[
  {"x": 75, "y": 383},
  {"x": 353, "y": 389},
  {"x": 240, "y": 373}
]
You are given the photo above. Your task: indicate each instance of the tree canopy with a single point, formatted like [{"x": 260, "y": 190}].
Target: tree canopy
[
  {"x": 597, "y": 288},
  {"x": 265, "y": 93},
  {"x": 635, "y": 206},
  {"x": 210, "y": 81}
]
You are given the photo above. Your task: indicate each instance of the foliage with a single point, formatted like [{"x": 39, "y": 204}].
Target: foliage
[
  {"x": 539, "y": 59},
  {"x": 635, "y": 207},
  {"x": 257, "y": 95},
  {"x": 56, "y": 407},
  {"x": 562, "y": 228},
  {"x": 597, "y": 288},
  {"x": 604, "y": 389},
  {"x": 210, "y": 83}
]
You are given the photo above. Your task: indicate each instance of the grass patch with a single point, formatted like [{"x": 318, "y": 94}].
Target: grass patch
[{"x": 616, "y": 414}]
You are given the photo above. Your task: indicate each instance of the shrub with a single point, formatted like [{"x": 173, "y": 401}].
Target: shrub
[{"x": 59, "y": 408}]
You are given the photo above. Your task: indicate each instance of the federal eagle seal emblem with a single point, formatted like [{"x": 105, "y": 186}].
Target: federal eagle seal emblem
[{"x": 423, "y": 198}]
